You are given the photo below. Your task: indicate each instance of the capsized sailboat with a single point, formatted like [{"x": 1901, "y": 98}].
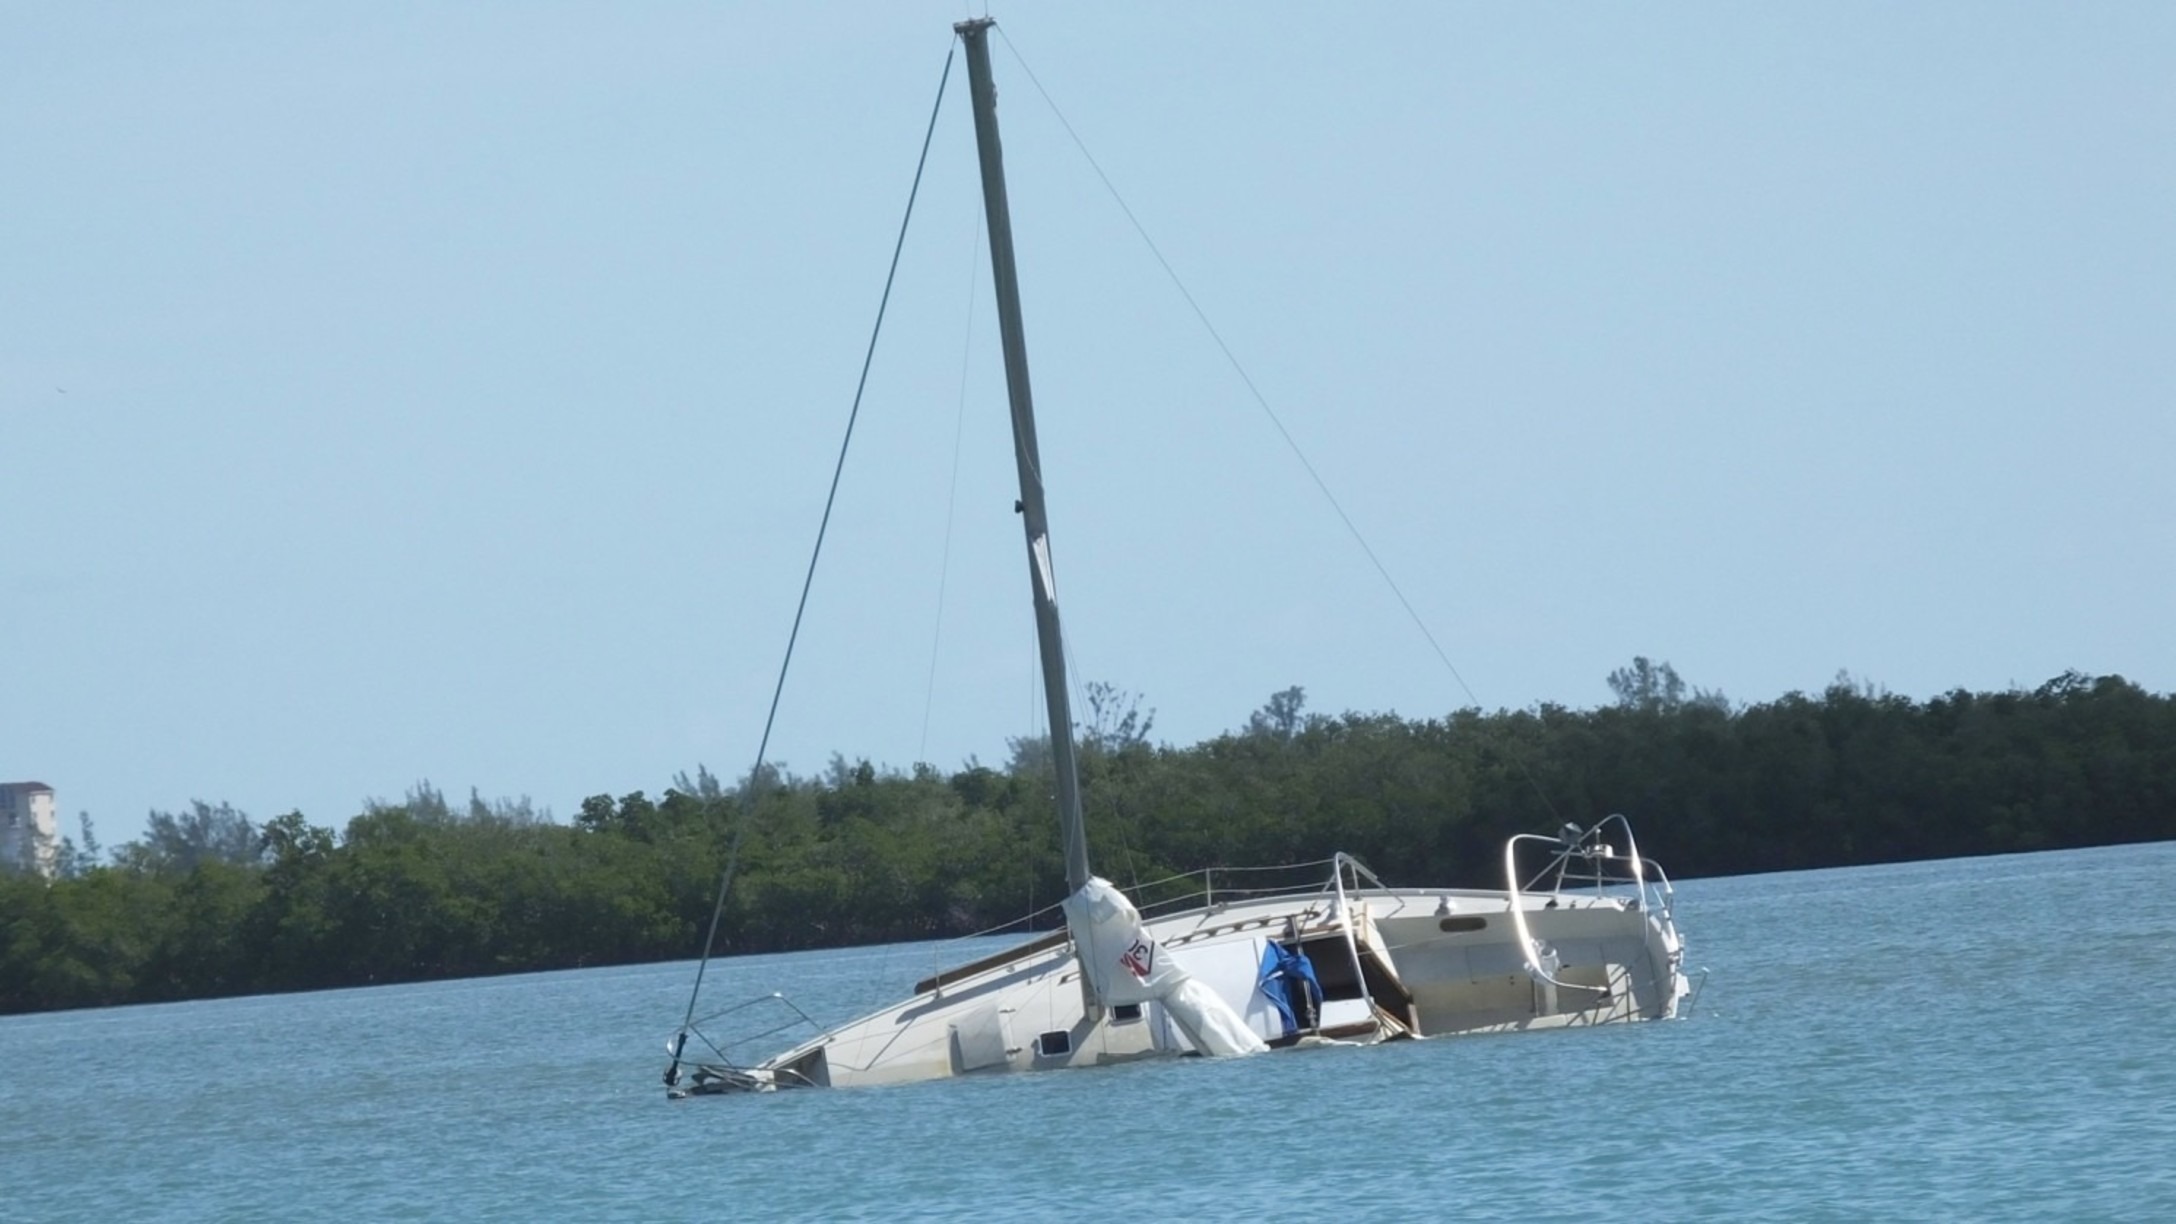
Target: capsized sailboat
[{"x": 1588, "y": 938}]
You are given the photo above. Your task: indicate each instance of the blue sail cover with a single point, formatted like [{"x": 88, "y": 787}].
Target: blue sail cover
[{"x": 1283, "y": 970}]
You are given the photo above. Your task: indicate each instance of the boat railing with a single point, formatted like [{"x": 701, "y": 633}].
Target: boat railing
[
  {"x": 729, "y": 1033},
  {"x": 1212, "y": 887},
  {"x": 1347, "y": 875},
  {"x": 1589, "y": 861},
  {"x": 1585, "y": 862},
  {"x": 1204, "y": 888},
  {"x": 1207, "y": 888}
]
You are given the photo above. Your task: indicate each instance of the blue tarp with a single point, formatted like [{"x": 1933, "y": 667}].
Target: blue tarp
[{"x": 1284, "y": 973}]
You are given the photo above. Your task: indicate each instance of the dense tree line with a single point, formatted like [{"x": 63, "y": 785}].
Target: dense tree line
[{"x": 211, "y": 903}]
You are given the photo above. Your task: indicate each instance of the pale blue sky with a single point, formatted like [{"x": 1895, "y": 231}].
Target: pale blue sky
[{"x": 401, "y": 391}]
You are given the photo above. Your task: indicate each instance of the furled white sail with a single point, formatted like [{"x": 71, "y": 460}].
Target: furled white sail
[{"x": 1125, "y": 964}]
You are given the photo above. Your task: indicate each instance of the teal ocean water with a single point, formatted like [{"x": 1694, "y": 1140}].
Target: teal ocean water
[{"x": 1974, "y": 1038}]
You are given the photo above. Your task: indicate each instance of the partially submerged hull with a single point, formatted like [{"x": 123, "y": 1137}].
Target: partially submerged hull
[
  {"x": 1386, "y": 963},
  {"x": 1338, "y": 962}
]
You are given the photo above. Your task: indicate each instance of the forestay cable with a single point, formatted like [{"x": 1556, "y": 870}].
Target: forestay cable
[{"x": 763, "y": 746}]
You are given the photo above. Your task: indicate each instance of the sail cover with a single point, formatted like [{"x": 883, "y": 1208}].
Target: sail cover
[{"x": 1125, "y": 964}]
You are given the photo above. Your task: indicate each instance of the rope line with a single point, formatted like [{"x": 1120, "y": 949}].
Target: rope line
[{"x": 755, "y": 774}]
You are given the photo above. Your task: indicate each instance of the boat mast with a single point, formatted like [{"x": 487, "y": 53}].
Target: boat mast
[{"x": 984, "y": 92}]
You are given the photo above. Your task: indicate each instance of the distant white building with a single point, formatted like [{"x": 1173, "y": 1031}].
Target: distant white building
[{"x": 29, "y": 832}]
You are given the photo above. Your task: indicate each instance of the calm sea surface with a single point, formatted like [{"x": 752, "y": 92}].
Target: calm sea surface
[{"x": 1983, "y": 1038}]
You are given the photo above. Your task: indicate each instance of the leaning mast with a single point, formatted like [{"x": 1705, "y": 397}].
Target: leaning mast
[{"x": 984, "y": 94}]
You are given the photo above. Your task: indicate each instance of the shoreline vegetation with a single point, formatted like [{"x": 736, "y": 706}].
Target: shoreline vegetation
[{"x": 210, "y": 903}]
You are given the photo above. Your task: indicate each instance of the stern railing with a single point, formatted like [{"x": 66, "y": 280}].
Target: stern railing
[{"x": 1585, "y": 862}]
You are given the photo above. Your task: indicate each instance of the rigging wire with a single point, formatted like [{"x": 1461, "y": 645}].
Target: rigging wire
[
  {"x": 755, "y": 774},
  {"x": 951, "y": 503},
  {"x": 1261, "y": 401},
  {"x": 952, "y": 494}
]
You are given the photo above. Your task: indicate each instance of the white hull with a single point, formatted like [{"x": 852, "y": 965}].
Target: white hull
[
  {"x": 1246, "y": 973},
  {"x": 1391, "y": 963}
]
